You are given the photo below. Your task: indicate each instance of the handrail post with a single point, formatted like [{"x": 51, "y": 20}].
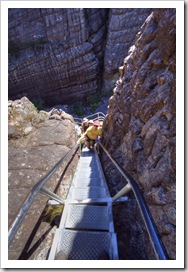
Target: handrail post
[
  {"x": 52, "y": 195},
  {"x": 31, "y": 196},
  {"x": 122, "y": 192}
]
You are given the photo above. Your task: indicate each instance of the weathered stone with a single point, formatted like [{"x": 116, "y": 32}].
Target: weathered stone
[
  {"x": 59, "y": 56},
  {"x": 171, "y": 214},
  {"x": 136, "y": 126},
  {"x": 55, "y": 55},
  {"x": 35, "y": 145},
  {"x": 170, "y": 239},
  {"x": 137, "y": 145},
  {"x": 62, "y": 55},
  {"x": 157, "y": 196},
  {"x": 123, "y": 27},
  {"x": 147, "y": 139}
]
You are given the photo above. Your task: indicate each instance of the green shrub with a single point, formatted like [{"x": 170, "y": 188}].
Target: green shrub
[
  {"x": 94, "y": 107},
  {"x": 39, "y": 103},
  {"x": 94, "y": 99},
  {"x": 78, "y": 108},
  {"x": 51, "y": 213}
]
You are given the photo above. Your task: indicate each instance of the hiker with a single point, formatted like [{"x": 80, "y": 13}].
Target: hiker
[
  {"x": 91, "y": 134},
  {"x": 61, "y": 114},
  {"x": 90, "y": 122},
  {"x": 56, "y": 114},
  {"x": 54, "y": 111},
  {"x": 85, "y": 125}
]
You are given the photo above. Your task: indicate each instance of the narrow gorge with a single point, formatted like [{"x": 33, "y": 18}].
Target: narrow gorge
[{"x": 61, "y": 56}]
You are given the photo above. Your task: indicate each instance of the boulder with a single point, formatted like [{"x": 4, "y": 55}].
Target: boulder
[{"x": 35, "y": 146}]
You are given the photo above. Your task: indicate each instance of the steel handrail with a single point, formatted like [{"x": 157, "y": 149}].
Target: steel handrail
[
  {"x": 97, "y": 113},
  {"x": 99, "y": 116},
  {"x": 31, "y": 196},
  {"x": 157, "y": 245},
  {"x": 78, "y": 120}
]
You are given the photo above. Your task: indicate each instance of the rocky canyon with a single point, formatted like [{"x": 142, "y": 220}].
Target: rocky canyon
[
  {"x": 140, "y": 126},
  {"x": 60, "y": 56}
]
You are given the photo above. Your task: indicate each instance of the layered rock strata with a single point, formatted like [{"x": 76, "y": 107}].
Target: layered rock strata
[
  {"x": 63, "y": 55},
  {"x": 124, "y": 24},
  {"x": 55, "y": 54},
  {"x": 140, "y": 127}
]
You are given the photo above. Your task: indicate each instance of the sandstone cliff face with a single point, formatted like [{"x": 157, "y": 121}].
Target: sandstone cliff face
[
  {"x": 140, "y": 130},
  {"x": 35, "y": 145},
  {"x": 64, "y": 55},
  {"x": 55, "y": 54},
  {"x": 124, "y": 24}
]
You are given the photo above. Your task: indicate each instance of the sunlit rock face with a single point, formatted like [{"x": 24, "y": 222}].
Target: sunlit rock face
[
  {"x": 140, "y": 127},
  {"x": 36, "y": 144},
  {"x": 64, "y": 55}
]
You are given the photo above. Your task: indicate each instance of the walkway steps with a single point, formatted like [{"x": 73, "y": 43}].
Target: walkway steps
[{"x": 86, "y": 229}]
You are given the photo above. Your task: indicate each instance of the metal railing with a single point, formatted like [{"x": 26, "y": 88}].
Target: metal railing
[
  {"x": 131, "y": 185},
  {"x": 157, "y": 245},
  {"x": 38, "y": 188},
  {"x": 100, "y": 116}
]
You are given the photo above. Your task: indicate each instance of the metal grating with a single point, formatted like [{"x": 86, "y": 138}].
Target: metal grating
[
  {"x": 88, "y": 175},
  {"x": 80, "y": 183},
  {"x": 87, "y": 165},
  {"x": 88, "y": 192},
  {"x": 86, "y": 230},
  {"x": 87, "y": 217},
  {"x": 84, "y": 245}
]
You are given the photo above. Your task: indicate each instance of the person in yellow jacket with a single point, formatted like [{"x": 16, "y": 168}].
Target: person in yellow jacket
[{"x": 91, "y": 134}]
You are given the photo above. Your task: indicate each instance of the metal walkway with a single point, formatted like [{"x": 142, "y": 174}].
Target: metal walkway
[{"x": 86, "y": 229}]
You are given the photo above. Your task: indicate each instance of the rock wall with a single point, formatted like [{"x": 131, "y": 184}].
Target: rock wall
[
  {"x": 35, "y": 145},
  {"x": 55, "y": 54},
  {"x": 62, "y": 55},
  {"x": 124, "y": 24},
  {"x": 140, "y": 127}
]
